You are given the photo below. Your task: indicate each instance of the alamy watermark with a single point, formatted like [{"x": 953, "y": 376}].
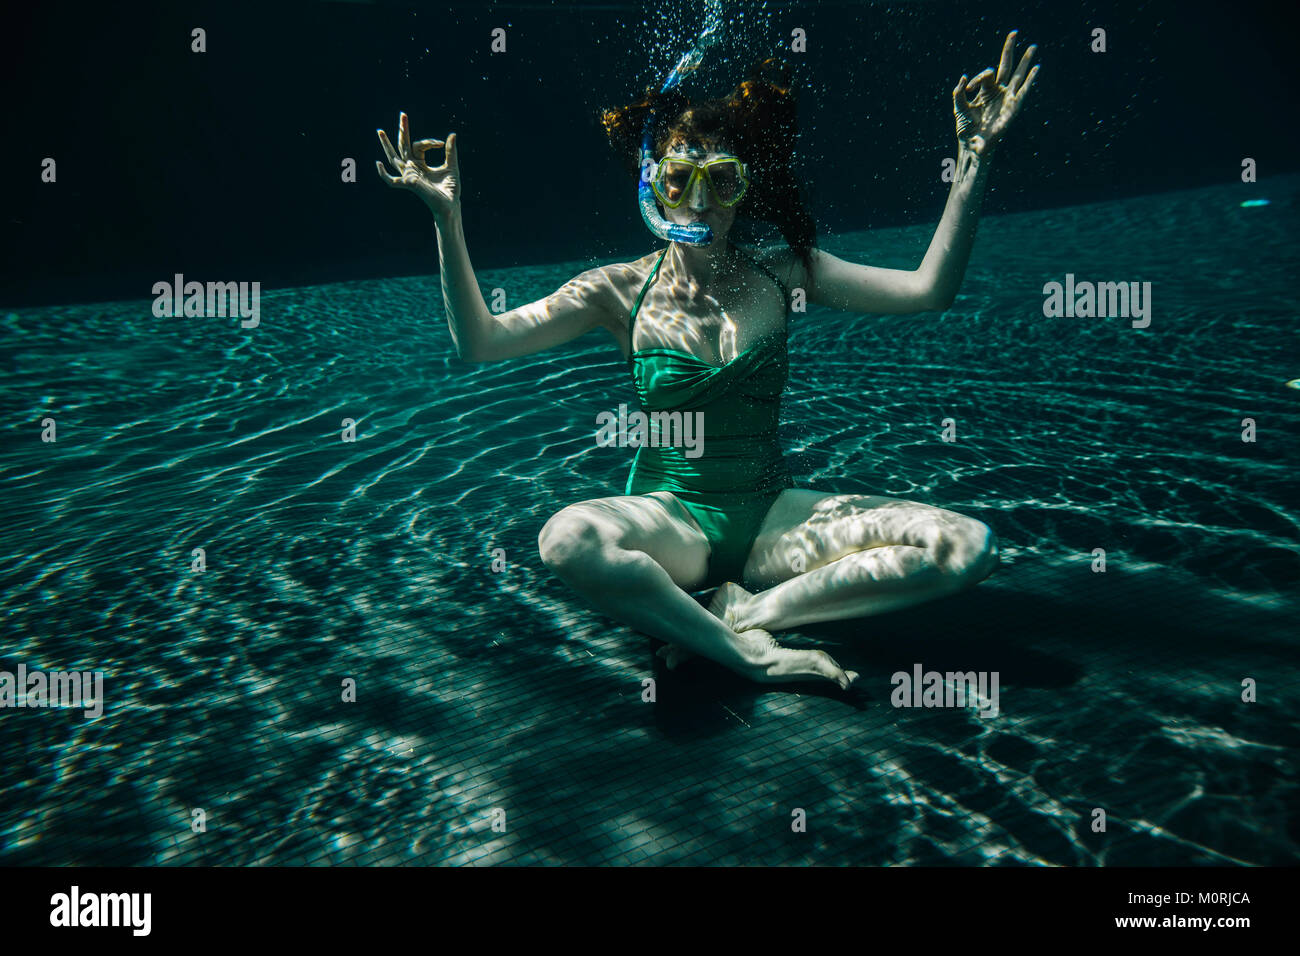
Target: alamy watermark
[
  {"x": 946, "y": 689},
  {"x": 657, "y": 429},
  {"x": 1125, "y": 300},
  {"x": 37, "y": 688},
  {"x": 216, "y": 299},
  {"x": 76, "y": 908}
]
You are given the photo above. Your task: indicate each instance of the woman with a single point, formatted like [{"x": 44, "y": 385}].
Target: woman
[{"x": 704, "y": 329}]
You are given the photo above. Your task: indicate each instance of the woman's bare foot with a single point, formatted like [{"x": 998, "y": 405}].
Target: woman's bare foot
[
  {"x": 729, "y": 603},
  {"x": 674, "y": 654},
  {"x": 725, "y": 606},
  {"x": 773, "y": 664}
]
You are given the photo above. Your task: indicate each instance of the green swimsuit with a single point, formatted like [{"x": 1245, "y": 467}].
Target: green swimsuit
[{"x": 730, "y": 487}]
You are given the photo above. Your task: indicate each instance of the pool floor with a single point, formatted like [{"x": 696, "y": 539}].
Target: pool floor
[{"x": 498, "y": 720}]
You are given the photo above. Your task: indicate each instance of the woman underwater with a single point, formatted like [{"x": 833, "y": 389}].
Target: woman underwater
[{"x": 703, "y": 328}]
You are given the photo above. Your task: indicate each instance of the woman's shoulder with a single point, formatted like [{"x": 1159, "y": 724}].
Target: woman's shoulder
[
  {"x": 620, "y": 276},
  {"x": 622, "y": 281},
  {"x": 625, "y": 275},
  {"x": 636, "y": 267},
  {"x": 785, "y": 263}
]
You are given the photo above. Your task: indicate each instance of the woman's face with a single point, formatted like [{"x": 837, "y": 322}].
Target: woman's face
[{"x": 701, "y": 205}]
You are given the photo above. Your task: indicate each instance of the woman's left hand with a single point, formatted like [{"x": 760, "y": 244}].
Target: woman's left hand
[{"x": 983, "y": 119}]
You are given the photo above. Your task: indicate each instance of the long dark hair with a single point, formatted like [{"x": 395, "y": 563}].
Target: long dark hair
[{"x": 757, "y": 121}]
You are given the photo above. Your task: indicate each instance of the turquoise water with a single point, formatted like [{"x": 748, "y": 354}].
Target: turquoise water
[{"x": 482, "y": 690}]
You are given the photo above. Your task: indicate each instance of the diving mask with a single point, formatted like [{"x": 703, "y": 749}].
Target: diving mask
[{"x": 673, "y": 178}]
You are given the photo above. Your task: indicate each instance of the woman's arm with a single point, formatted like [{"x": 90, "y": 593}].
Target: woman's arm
[
  {"x": 580, "y": 305},
  {"x": 941, "y": 271},
  {"x": 981, "y": 123}
]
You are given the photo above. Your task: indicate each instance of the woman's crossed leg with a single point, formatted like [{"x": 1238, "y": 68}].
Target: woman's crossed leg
[
  {"x": 633, "y": 557},
  {"x": 824, "y": 557}
]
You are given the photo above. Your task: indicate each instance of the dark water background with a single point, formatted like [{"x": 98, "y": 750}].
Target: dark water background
[
  {"x": 226, "y": 164},
  {"x": 483, "y": 689}
]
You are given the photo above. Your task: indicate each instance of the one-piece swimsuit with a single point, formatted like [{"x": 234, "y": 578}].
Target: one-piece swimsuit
[{"x": 728, "y": 488}]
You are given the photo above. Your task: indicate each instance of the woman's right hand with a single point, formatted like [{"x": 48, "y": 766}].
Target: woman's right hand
[{"x": 439, "y": 186}]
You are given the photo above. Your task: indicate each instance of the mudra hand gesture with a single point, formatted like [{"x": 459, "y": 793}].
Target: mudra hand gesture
[
  {"x": 985, "y": 116},
  {"x": 438, "y": 186}
]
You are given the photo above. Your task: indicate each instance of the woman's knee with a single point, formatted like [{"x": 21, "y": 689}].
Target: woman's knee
[
  {"x": 571, "y": 537},
  {"x": 973, "y": 554}
]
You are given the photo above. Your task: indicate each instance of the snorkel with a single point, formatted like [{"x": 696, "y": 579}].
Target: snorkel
[{"x": 695, "y": 234}]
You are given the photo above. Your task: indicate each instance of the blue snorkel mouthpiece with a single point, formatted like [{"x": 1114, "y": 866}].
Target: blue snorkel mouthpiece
[{"x": 695, "y": 234}]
